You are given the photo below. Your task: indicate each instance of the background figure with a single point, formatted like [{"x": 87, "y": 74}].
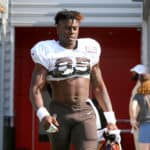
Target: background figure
[
  {"x": 135, "y": 72},
  {"x": 71, "y": 66},
  {"x": 140, "y": 107},
  {"x": 135, "y": 132}
]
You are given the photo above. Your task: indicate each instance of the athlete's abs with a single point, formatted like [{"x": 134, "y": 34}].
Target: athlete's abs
[{"x": 70, "y": 91}]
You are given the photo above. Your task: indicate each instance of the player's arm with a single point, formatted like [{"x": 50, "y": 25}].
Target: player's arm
[
  {"x": 101, "y": 95},
  {"x": 38, "y": 81}
]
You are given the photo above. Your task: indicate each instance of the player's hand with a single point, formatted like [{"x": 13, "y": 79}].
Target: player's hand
[
  {"x": 111, "y": 126},
  {"x": 113, "y": 130},
  {"x": 47, "y": 121}
]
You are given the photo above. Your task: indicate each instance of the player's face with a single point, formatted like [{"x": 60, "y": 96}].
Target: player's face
[{"x": 68, "y": 31}]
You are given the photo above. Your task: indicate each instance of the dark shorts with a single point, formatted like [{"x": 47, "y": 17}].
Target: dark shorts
[{"x": 77, "y": 126}]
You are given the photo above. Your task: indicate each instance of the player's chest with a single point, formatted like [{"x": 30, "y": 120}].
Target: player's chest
[{"x": 70, "y": 58}]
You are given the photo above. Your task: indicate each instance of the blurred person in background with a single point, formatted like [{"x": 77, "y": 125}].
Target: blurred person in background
[{"x": 139, "y": 107}]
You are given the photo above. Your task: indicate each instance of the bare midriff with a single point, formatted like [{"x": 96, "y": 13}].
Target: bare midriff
[{"x": 70, "y": 91}]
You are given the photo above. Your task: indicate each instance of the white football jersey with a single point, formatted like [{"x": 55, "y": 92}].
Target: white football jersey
[{"x": 65, "y": 63}]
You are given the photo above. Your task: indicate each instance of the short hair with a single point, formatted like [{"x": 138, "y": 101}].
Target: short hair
[{"x": 68, "y": 14}]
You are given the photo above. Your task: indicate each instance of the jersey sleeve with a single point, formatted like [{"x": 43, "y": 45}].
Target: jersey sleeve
[
  {"x": 98, "y": 53},
  {"x": 39, "y": 54},
  {"x": 95, "y": 51}
]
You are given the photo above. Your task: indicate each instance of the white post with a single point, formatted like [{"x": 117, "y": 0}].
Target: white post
[
  {"x": 148, "y": 41},
  {"x": 144, "y": 55},
  {"x": 2, "y": 48},
  {"x": 3, "y": 26}
]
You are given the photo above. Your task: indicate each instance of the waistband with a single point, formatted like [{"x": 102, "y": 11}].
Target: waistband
[
  {"x": 70, "y": 103},
  {"x": 82, "y": 103}
]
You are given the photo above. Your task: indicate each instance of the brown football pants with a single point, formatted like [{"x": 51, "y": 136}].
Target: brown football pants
[{"x": 77, "y": 126}]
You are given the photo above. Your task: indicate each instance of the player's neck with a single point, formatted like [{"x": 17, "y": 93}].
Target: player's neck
[{"x": 69, "y": 45}]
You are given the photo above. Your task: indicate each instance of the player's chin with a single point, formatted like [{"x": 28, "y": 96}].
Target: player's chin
[{"x": 71, "y": 40}]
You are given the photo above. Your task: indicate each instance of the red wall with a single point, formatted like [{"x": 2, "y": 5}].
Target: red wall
[{"x": 120, "y": 51}]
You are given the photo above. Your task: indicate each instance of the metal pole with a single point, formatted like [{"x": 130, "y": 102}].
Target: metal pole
[
  {"x": 2, "y": 47},
  {"x": 3, "y": 27}
]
